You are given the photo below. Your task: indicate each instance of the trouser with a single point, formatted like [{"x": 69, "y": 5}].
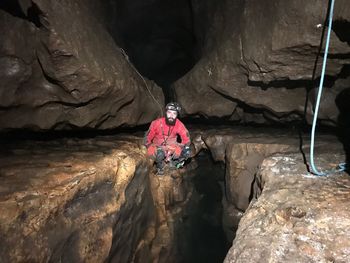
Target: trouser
[{"x": 167, "y": 153}]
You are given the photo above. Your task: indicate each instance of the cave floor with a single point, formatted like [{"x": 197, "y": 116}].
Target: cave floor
[{"x": 296, "y": 214}]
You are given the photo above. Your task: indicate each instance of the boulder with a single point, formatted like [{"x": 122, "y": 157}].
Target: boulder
[{"x": 298, "y": 217}]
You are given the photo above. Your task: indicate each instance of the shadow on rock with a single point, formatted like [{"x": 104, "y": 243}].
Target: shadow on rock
[{"x": 343, "y": 105}]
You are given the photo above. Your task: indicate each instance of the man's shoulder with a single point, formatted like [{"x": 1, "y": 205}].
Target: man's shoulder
[
  {"x": 179, "y": 123},
  {"x": 159, "y": 120}
]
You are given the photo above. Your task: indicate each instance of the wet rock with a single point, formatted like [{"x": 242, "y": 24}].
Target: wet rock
[
  {"x": 61, "y": 69},
  {"x": 298, "y": 217}
]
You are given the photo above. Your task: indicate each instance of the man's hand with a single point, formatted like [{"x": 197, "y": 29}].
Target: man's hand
[{"x": 186, "y": 151}]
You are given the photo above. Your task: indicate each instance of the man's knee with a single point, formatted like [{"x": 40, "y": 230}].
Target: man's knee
[
  {"x": 160, "y": 154},
  {"x": 151, "y": 150}
]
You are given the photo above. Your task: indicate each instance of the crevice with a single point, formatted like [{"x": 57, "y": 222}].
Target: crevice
[
  {"x": 292, "y": 84},
  {"x": 338, "y": 56},
  {"x": 69, "y": 104},
  {"x": 203, "y": 238},
  {"x": 161, "y": 46},
  {"x": 253, "y": 110},
  {"x": 341, "y": 28},
  {"x": 345, "y": 72},
  {"x": 12, "y": 7},
  {"x": 32, "y": 14}
]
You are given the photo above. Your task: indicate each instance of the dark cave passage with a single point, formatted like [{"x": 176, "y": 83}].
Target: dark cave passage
[
  {"x": 342, "y": 30},
  {"x": 15, "y": 8},
  {"x": 158, "y": 37},
  {"x": 203, "y": 238}
]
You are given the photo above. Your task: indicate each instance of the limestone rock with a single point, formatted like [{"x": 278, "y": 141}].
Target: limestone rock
[
  {"x": 242, "y": 150},
  {"x": 172, "y": 195},
  {"x": 89, "y": 200},
  {"x": 61, "y": 69},
  {"x": 298, "y": 217},
  {"x": 258, "y": 61},
  {"x": 68, "y": 200}
]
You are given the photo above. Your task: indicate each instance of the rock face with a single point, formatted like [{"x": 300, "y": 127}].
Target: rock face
[
  {"x": 258, "y": 62},
  {"x": 95, "y": 200},
  {"x": 68, "y": 204},
  {"x": 61, "y": 69},
  {"x": 173, "y": 200},
  {"x": 243, "y": 150},
  {"x": 297, "y": 217},
  {"x": 90, "y": 200}
]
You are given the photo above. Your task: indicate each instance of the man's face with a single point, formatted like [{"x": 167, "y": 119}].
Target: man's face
[{"x": 171, "y": 116}]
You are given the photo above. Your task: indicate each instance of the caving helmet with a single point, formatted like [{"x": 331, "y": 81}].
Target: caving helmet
[{"x": 173, "y": 106}]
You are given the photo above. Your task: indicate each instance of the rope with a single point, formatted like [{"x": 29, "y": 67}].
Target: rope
[
  {"x": 143, "y": 79},
  {"x": 341, "y": 166}
]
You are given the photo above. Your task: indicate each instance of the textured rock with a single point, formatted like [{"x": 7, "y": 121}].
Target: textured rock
[
  {"x": 92, "y": 200},
  {"x": 242, "y": 162},
  {"x": 60, "y": 69},
  {"x": 242, "y": 150},
  {"x": 257, "y": 66},
  {"x": 297, "y": 217},
  {"x": 173, "y": 198},
  {"x": 89, "y": 200},
  {"x": 73, "y": 200}
]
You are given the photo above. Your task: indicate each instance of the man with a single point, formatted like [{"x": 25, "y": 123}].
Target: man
[{"x": 161, "y": 139}]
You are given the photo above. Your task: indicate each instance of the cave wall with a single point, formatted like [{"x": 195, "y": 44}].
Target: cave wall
[
  {"x": 259, "y": 61},
  {"x": 89, "y": 200},
  {"x": 61, "y": 69},
  {"x": 242, "y": 150},
  {"x": 73, "y": 200}
]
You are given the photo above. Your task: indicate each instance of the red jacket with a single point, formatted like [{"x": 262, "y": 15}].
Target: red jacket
[{"x": 160, "y": 133}]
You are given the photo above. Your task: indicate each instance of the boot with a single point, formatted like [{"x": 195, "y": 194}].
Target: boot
[{"x": 160, "y": 168}]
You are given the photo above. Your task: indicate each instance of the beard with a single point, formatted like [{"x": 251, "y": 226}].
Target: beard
[{"x": 170, "y": 121}]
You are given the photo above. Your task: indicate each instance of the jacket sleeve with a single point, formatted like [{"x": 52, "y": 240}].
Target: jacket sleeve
[
  {"x": 149, "y": 136},
  {"x": 184, "y": 134}
]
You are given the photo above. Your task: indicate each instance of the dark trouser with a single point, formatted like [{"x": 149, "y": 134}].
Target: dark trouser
[{"x": 160, "y": 156}]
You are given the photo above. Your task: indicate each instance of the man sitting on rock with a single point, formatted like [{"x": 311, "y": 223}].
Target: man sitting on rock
[{"x": 161, "y": 139}]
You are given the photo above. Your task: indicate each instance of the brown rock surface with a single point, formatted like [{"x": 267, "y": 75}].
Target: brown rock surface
[
  {"x": 297, "y": 217},
  {"x": 92, "y": 200},
  {"x": 258, "y": 60},
  {"x": 172, "y": 198},
  {"x": 243, "y": 149},
  {"x": 73, "y": 200},
  {"x": 88, "y": 200},
  {"x": 60, "y": 68}
]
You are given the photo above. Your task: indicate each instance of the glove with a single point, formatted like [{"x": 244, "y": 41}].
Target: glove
[{"x": 186, "y": 151}]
